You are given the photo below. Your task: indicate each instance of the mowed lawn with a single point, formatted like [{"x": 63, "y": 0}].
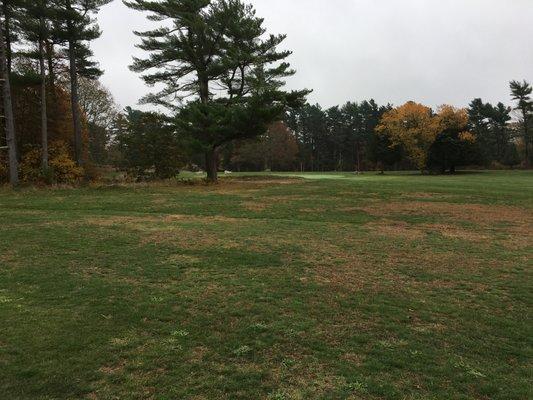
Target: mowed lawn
[{"x": 330, "y": 286}]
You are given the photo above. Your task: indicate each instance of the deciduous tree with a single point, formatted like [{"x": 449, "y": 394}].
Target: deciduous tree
[
  {"x": 453, "y": 144},
  {"x": 414, "y": 128},
  {"x": 100, "y": 111}
]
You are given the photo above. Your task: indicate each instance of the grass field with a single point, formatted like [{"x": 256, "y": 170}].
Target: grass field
[{"x": 328, "y": 287}]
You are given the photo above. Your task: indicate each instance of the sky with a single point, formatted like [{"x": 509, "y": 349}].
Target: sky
[{"x": 430, "y": 51}]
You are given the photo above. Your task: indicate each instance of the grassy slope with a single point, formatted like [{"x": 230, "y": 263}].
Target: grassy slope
[{"x": 370, "y": 287}]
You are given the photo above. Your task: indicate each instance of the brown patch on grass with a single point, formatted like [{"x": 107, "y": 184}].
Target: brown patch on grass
[
  {"x": 428, "y": 327},
  {"x": 113, "y": 369},
  {"x": 113, "y": 220},
  {"x": 422, "y": 195},
  {"x": 456, "y": 232},
  {"x": 356, "y": 359},
  {"x": 402, "y": 229},
  {"x": 201, "y": 218},
  {"x": 265, "y": 181},
  {"x": 387, "y": 269},
  {"x": 197, "y": 354},
  {"x": 427, "y": 196},
  {"x": 9, "y": 256},
  {"x": 307, "y": 382},
  {"x": 187, "y": 238},
  {"x": 477, "y": 213},
  {"x": 184, "y": 258},
  {"x": 244, "y": 185},
  {"x": 160, "y": 200},
  {"x": 287, "y": 198},
  {"x": 254, "y": 206},
  {"x": 94, "y": 272},
  {"x": 313, "y": 210},
  {"x": 397, "y": 229}
]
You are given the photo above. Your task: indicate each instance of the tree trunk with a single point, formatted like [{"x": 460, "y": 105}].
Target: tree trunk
[
  {"x": 358, "y": 156},
  {"x": 211, "y": 167},
  {"x": 74, "y": 99},
  {"x": 526, "y": 137},
  {"x": 211, "y": 156},
  {"x": 50, "y": 61},
  {"x": 7, "y": 37},
  {"x": 8, "y": 112},
  {"x": 44, "y": 118}
]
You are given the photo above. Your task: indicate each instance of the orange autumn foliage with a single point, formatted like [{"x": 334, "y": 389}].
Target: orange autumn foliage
[
  {"x": 413, "y": 127},
  {"x": 62, "y": 168},
  {"x": 449, "y": 117}
]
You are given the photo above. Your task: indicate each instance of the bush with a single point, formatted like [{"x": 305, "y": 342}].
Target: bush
[
  {"x": 511, "y": 157},
  {"x": 4, "y": 169},
  {"x": 148, "y": 146},
  {"x": 61, "y": 166}
]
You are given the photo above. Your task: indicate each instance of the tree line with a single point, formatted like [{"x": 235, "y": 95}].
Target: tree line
[
  {"x": 221, "y": 78},
  {"x": 44, "y": 55},
  {"x": 367, "y": 136}
]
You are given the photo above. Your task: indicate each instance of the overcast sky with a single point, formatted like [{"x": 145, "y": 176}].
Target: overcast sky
[{"x": 430, "y": 51}]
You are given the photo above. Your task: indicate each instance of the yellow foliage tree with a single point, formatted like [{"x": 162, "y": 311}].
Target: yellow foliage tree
[
  {"x": 454, "y": 144},
  {"x": 413, "y": 127},
  {"x": 62, "y": 167},
  {"x": 449, "y": 117}
]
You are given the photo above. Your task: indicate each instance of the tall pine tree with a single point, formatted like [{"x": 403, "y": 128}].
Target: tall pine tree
[
  {"x": 8, "y": 107},
  {"x": 75, "y": 26},
  {"x": 35, "y": 26},
  {"x": 10, "y": 12},
  {"x": 521, "y": 93},
  {"x": 223, "y": 78}
]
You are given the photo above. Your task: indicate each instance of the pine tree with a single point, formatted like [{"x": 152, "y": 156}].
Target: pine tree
[
  {"x": 8, "y": 109},
  {"x": 521, "y": 92},
  {"x": 499, "y": 117},
  {"x": 219, "y": 73},
  {"x": 35, "y": 27},
  {"x": 75, "y": 26},
  {"x": 10, "y": 12}
]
